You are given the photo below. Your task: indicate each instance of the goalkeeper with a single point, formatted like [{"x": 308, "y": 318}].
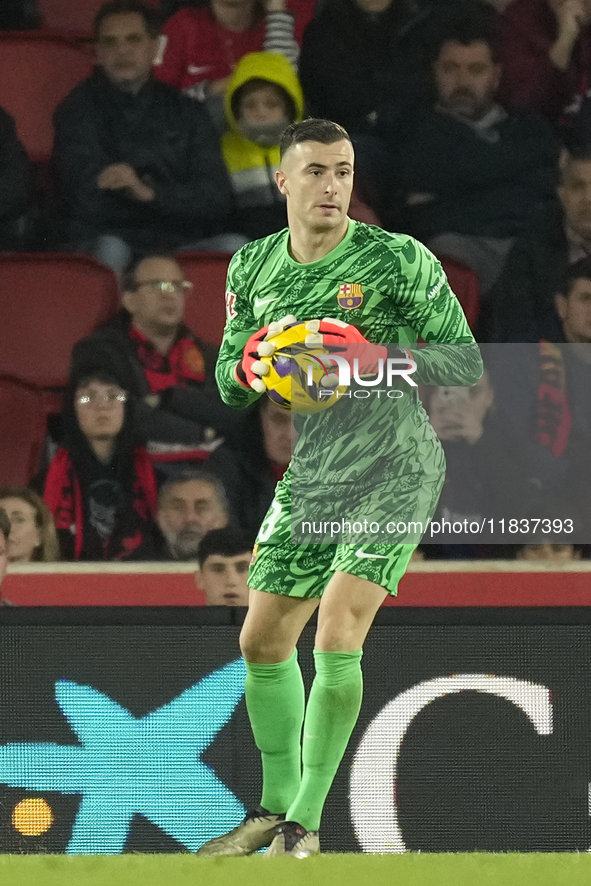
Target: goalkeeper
[{"x": 379, "y": 287}]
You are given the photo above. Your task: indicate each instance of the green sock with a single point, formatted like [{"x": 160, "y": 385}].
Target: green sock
[
  {"x": 333, "y": 708},
  {"x": 275, "y": 704}
]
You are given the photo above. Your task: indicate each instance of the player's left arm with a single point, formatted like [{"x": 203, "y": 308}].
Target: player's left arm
[{"x": 425, "y": 299}]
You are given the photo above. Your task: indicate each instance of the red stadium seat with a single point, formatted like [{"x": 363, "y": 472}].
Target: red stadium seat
[
  {"x": 72, "y": 16},
  {"x": 47, "y": 303},
  {"x": 37, "y": 71},
  {"x": 205, "y": 312},
  {"x": 465, "y": 284},
  {"x": 23, "y": 431}
]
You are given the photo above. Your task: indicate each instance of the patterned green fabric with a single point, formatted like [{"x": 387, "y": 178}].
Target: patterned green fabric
[
  {"x": 405, "y": 295},
  {"x": 280, "y": 566},
  {"x": 375, "y": 458}
]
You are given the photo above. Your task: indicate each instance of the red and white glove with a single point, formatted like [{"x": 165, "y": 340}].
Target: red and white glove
[
  {"x": 250, "y": 372},
  {"x": 345, "y": 340}
]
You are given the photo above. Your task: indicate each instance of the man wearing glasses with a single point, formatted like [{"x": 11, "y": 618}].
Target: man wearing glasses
[{"x": 162, "y": 363}]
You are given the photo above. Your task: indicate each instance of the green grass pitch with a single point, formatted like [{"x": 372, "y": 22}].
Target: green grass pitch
[{"x": 478, "y": 869}]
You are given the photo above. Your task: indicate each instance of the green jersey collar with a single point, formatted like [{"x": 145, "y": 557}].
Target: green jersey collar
[{"x": 335, "y": 253}]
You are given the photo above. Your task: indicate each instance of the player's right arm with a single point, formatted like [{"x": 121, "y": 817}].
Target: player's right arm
[{"x": 240, "y": 325}]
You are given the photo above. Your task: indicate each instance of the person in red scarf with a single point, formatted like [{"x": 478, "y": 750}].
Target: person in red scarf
[
  {"x": 162, "y": 363},
  {"x": 100, "y": 486}
]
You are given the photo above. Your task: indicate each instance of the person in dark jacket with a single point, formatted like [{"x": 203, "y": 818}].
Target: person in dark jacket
[
  {"x": 15, "y": 182},
  {"x": 360, "y": 56},
  {"x": 522, "y": 301},
  {"x": 100, "y": 486},
  {"x": 546, "y": 54},
  {"x": 470, "y": 173},
  {"x": 139, "y": 164},
  {"x": 162, "y": 363},
  {"x": 250, "y": 464}
]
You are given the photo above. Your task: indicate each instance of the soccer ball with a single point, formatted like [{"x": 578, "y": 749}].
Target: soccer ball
[{"x": 298, "y": 377}]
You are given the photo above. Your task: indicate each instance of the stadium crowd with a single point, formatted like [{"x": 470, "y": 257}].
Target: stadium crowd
[{"x": 471, "y": 122}]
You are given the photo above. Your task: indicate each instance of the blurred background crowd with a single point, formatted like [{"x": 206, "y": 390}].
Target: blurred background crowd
[{"x": 138, "y": 145}]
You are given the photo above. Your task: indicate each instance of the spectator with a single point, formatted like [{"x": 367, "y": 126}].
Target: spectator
[
  {"x": 4, "y": 536},
  {"x": 263, "y": 97},
  {"x": 161, "y": 363},
  {"x": 251, "y": 463},
  {"x": 189, "y": 506},
  {"x": 470, "y": 173},
  {"x": 15, "y": 183},
  {"x": 546, "y": 54},
  {"x": 548, "y": 551},
  {"x": 573, "y": 306},
  {"x": 139, "y": 164},
  {"x": 360, "y": 56},
  {"x": 33, "y": 538},
  {"x": 523, "y": 307},
  {"x": 224, "y": 557},
  {"x": 484, "y": 475},
  {"x": 100, "y": 485},
  {"x": 203, "y": 45}
]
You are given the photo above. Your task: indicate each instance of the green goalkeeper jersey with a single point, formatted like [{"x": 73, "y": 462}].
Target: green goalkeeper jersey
[{"x": 393, "y": 290}]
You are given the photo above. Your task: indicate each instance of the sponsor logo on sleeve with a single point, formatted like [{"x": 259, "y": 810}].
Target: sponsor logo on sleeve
[{"x": 230, "y": 305}]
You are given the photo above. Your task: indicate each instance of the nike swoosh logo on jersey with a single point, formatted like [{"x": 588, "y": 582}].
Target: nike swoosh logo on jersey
[
  {"x": 259, "y": 302},
  {"x": 198, "y": 69},
  {"x": 364, "y": 556}
]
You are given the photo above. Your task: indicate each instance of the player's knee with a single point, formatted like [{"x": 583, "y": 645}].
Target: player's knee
[
  {"x": 338, "y": 638},
  {"x": 262, "y": 650}
]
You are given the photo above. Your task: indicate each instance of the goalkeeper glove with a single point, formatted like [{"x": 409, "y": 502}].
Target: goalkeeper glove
[
  {"x": 345, "y": 340},
  {"x": 250, "y": 371}
]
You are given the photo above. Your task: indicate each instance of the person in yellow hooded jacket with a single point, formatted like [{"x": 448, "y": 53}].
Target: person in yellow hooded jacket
[{"x": 264, "y": 96}]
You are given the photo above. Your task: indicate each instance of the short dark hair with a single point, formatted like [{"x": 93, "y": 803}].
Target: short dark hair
[
  {"x": 575, "y": 149},
  {"x": 4, "y": 524},
  {"x": 186, "y": 476},
  {"x": 578, "y": 270},
  {"x": 476, "y": 27},
  {"x": 128, "y": 281},
  {"x": 225, "y": 543},
  {"x": 151, "y": 17},
  {"x": 312, "y": 129}
]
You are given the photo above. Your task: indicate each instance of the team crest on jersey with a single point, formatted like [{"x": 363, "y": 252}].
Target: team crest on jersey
[
  {"x": 350, "y": 296},
  {"x": 230, "y": 305}
]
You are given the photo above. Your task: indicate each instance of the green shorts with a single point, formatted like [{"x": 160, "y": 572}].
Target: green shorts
[{"x": 280, "y": 566}]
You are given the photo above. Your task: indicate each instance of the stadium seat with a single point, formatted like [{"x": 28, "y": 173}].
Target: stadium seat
[
  {"x": 74, "y": 17},
  {"x": 37, "y": 71},
  {"x": 464, "y": 282},
  {"x": 22, "y": 421},
  {"x": 47, "y": 303},
  {"x": 205, "y": 312}
]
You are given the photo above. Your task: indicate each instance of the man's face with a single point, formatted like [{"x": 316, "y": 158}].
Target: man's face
[
  {"x": 575, "y": 311},
  {"x": 317, "y": 181},
  {"x": 25, "y": 535},
  {"x": 223, "y": 579},
  {"x": 189, "y": 509},
  {"x": 466, "y": 78},
  {"x": 154, "y": 306},
  {"x": 276, "y": 425},
  {"x": 3, "y": 557},
  {"x": 575, "y": 196},
  {"x": 124, "y": 49},
  {"x": 263, "y": 105},
  {"x": 549, "y": 552},
  {"x": 100, "y": 411}
]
